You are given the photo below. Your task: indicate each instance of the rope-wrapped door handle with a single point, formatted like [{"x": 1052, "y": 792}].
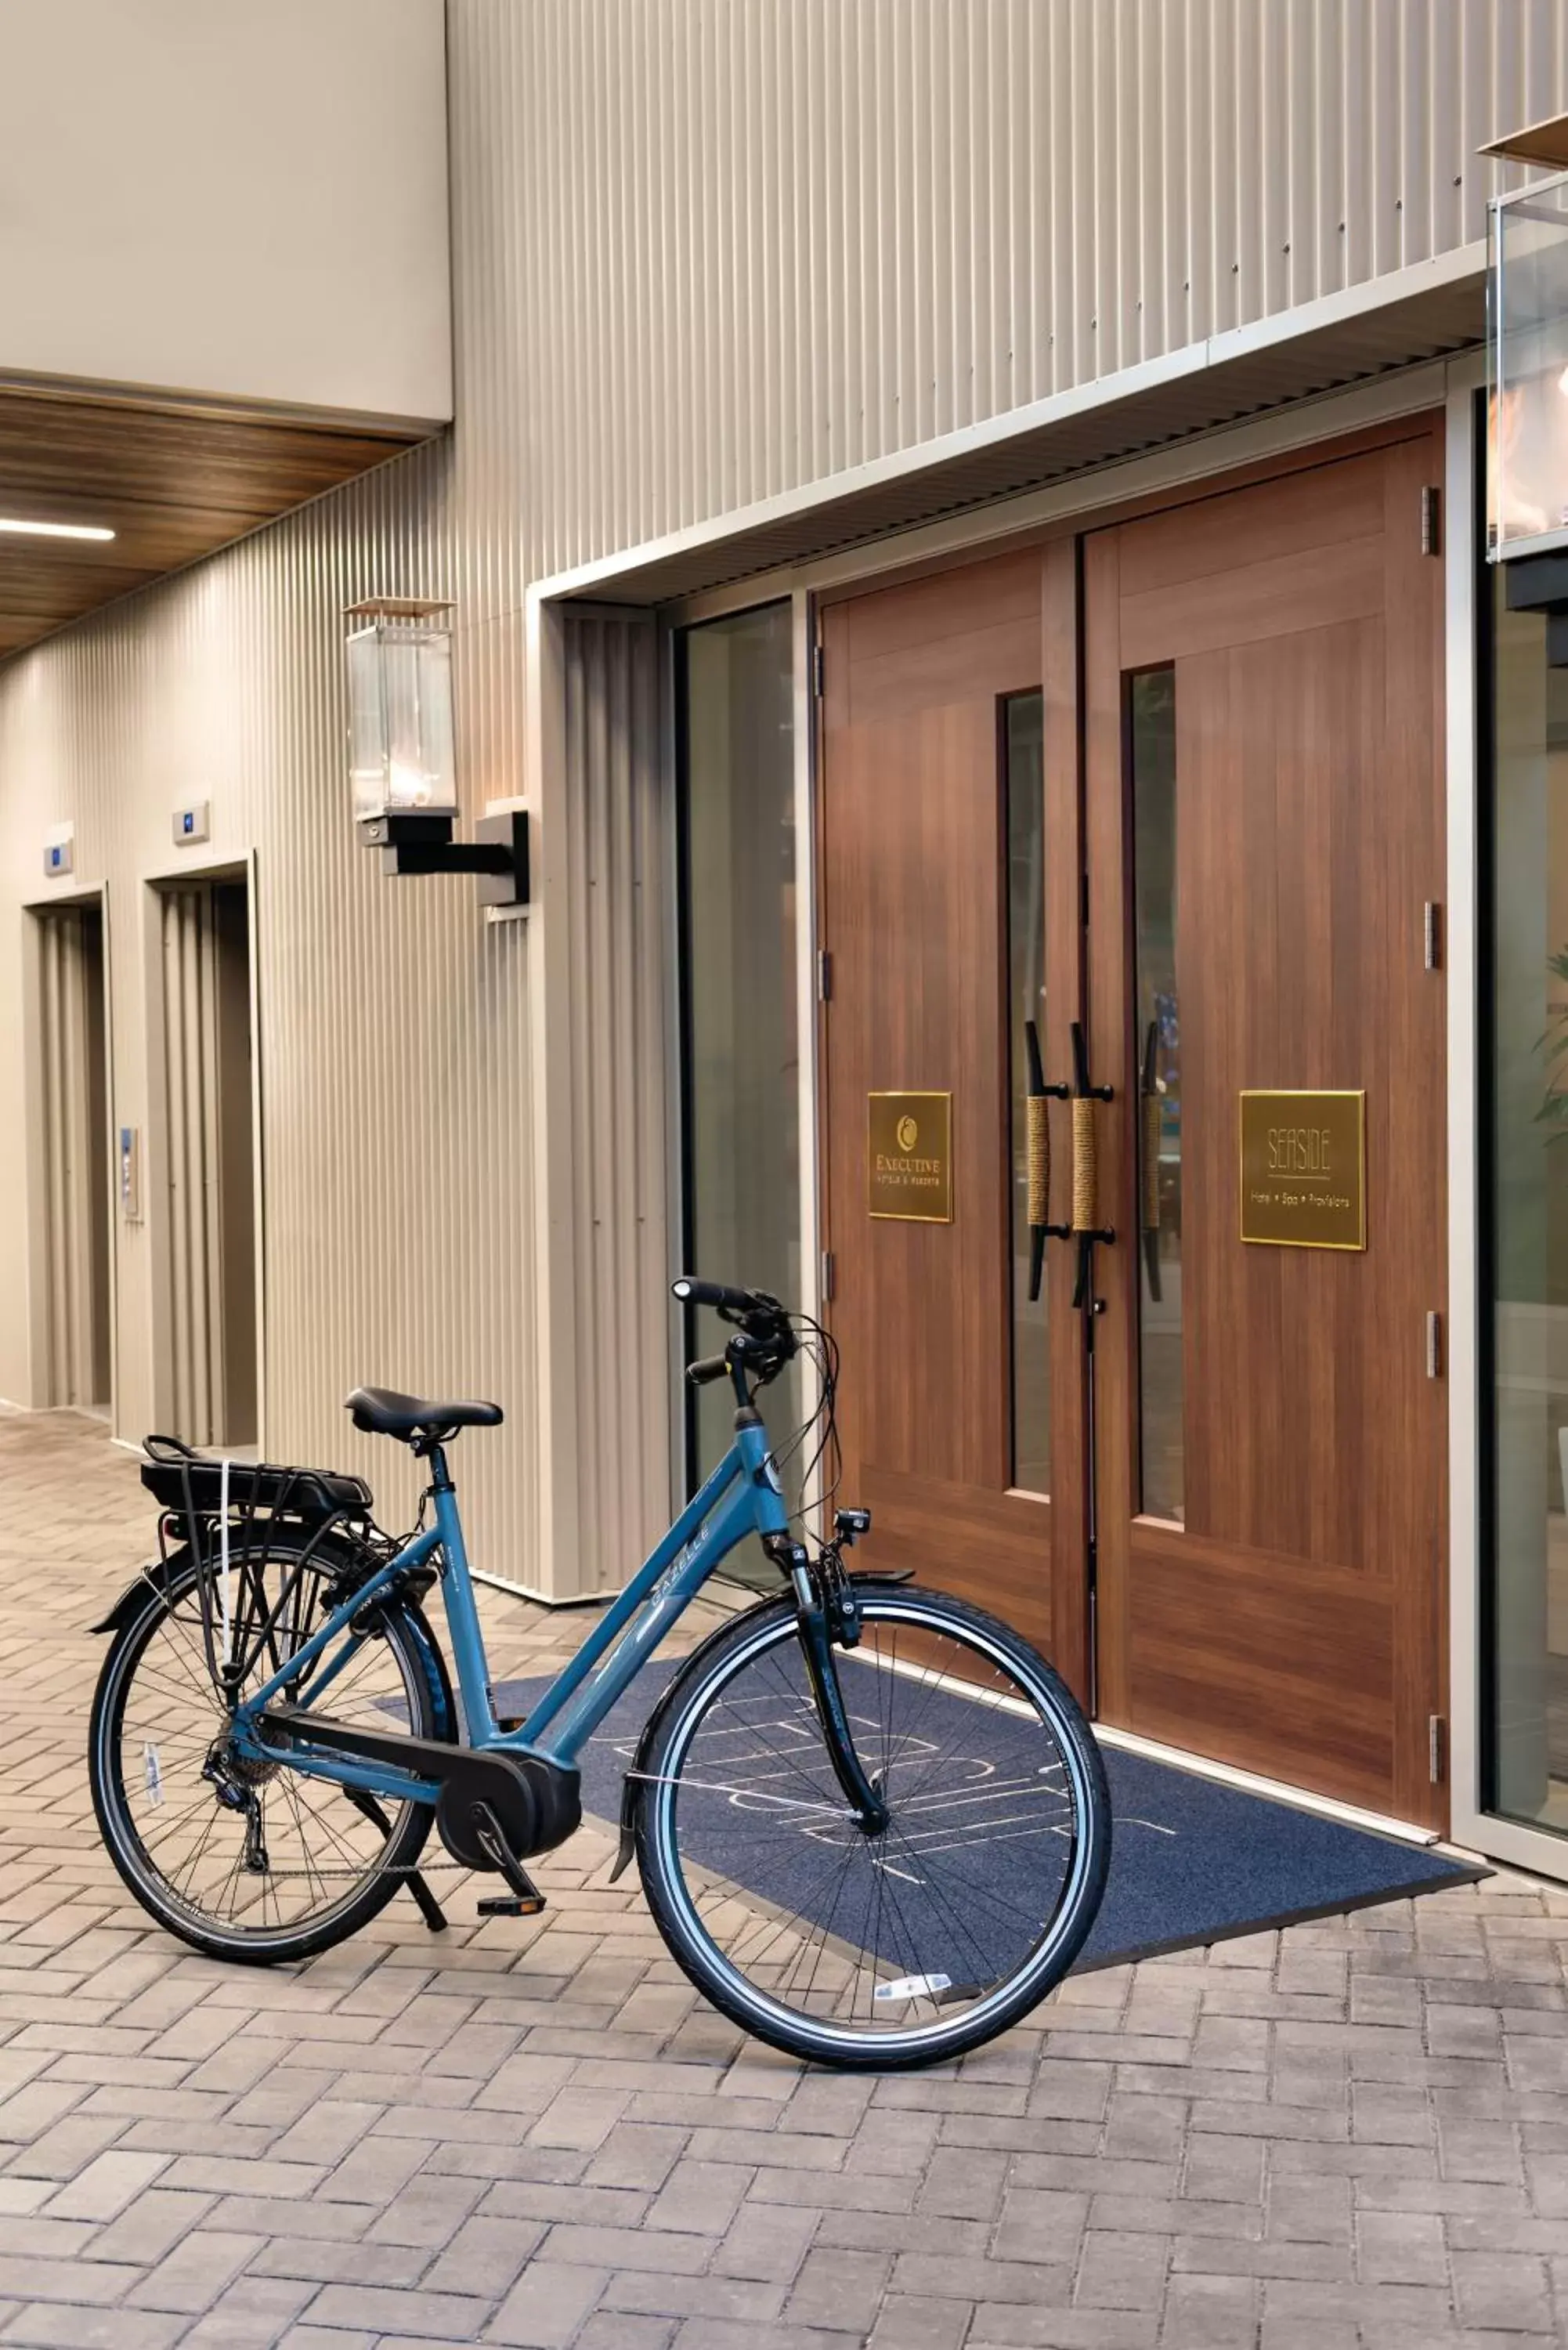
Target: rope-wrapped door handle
[
  {"x": 1037, "y": 1146},
  {"x": 1086, "y": 1226}
]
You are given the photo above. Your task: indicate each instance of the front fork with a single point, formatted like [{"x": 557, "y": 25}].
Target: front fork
[{"x": 828, "y": 1613}]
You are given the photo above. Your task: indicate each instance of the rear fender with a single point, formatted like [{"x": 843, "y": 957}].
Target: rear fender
[{"x": 154, "y": 1576}]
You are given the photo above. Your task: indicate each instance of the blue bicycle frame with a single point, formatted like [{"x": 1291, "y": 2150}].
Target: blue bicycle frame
[{"x": 742, "y": 1496}]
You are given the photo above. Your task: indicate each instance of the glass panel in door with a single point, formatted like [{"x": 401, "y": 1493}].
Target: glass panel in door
[
  {"x": 1151, "y": 711},
  {"x": 1024, "y": 742}
]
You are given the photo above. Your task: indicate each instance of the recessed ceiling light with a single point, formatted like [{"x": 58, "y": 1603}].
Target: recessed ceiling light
[{"x": 54, "y": 529}]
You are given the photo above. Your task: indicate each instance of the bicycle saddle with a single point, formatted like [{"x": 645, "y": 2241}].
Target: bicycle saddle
[{"x": 382, "y": 1411}]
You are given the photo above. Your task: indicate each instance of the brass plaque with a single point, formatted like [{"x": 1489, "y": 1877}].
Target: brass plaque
[
  {"x": 909, "y": 1157},
  {"x": 1303, "y": 1170}
]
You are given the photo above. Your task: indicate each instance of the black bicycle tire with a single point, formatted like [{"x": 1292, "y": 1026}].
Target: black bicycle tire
[
  {"x": 938, "y": 2043},
  {"x": 104, "y": 1776}
]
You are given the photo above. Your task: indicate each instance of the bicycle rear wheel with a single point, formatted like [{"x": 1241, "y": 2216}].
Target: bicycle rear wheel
[
  {"x": 889, "y": 1950},
  {"x": 259, "y": 1863}
]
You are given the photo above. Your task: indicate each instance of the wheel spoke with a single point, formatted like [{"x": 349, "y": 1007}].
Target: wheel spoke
[
  {"x": 977, "y": 1893},
  {"x": 187, "y": 1854}
]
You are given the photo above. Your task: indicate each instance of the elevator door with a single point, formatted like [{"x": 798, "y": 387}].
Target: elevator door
[
  {"x": 210, "y": 1202},
  {"x": 74, "y": 1130}
]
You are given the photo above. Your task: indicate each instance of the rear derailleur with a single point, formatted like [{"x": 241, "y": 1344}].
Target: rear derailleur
[{"x": 234, "y": 1783}]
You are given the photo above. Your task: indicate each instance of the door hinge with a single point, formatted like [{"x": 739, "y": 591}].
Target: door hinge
[
  {"x": 827, "y": 1282},
  {"x": 1434, "y": 1345},
  {"x": 1432, "y": 934},
  {"x": 823, "y": 975},
  {"x": 819, "y": 669},
  {"x": 1431, "y": 521},
  {"x": 1437, "y": 1749}
]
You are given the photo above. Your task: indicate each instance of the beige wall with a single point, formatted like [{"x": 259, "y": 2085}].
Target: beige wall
[
  {"x": 209, "y": 196},
  {"x": 703, "y": 253}
]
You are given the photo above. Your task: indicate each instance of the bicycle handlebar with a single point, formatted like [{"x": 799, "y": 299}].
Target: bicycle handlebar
[
  {"x": 692, "y": 1291},
  {"x": 765, "y": 1342}
]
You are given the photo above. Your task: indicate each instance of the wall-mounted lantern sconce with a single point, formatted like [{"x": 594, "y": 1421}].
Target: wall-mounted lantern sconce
[
  {"x": 401, "y": 760},
  {"x": 1527, "y": 388}
]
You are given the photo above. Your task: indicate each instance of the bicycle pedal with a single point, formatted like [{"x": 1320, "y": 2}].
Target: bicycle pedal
[
  {"x": 511, "y": 1905},
  {"x": 525, "y": 1899}
]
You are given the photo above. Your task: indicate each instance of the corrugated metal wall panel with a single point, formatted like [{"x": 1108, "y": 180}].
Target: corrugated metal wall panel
[
  {"x": 618, "y": 835},
  {"x": 703, "y": 253}
]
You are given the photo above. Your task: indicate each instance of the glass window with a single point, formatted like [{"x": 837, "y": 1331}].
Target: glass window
[
  {"x": 1151, "y": 696},
  {"x": 1526, "y": 1151},
  {"x": 736, "y": 719},
  {"x": 1025, "y": 784}
]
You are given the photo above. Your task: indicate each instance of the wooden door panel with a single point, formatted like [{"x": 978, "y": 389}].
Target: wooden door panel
[
  {"x": 1321, "y": 1647},
  {"x": 1276, "y": 598},
  {"x": 919, "y": 859},
  {"x": 920, "y": 616},
  {"x": 1275, "y": 979},
  {"x": 914, "y": 913},
  {"x": 985, "y": 1544},
  {"x": 895, "y": 686},
  {"x": 1322, "y": 506},
  {"x": 1293, "y": 1624}
]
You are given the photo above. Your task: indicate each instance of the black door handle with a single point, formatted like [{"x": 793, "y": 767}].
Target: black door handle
[{"x": 1037, "y": 1145}]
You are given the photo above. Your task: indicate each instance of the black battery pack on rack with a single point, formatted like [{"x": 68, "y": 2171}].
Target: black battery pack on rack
[{"x": 179, "y": 1477}]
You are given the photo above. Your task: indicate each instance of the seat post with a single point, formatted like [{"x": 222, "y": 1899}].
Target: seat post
[{"x": 441, "y": 1476}]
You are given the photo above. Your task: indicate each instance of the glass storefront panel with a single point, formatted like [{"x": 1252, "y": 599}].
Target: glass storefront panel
[
  {"x": 1527, "y": 1147},
  {"x": 742, "y": 1158}
]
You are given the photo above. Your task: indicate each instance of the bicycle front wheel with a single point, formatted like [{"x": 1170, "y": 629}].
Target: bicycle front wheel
[{"x": 889, "y": 1949}]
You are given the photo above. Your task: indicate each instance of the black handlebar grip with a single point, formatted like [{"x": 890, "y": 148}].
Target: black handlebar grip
[
  {"x": 711, "y": 1366},
  {"x": 692, "y": 1291}
]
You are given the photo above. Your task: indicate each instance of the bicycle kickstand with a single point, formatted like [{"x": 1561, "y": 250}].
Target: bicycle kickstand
[{"x": 430, "y": 1908}]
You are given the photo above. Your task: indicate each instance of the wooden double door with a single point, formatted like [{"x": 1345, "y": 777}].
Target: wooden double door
[{"x": 1156, "y": 813}]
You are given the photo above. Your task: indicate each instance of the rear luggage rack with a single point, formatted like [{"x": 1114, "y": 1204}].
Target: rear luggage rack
[
  {"x": 192, "y": 1482},
  {"x": 229, "y": 1513}
]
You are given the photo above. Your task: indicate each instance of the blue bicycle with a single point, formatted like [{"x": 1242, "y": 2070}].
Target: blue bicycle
[{"x": 872, "y": 1823}]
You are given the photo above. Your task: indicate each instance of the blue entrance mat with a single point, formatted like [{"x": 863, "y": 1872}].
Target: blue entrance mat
[{"x": 1193, "y": 1860}]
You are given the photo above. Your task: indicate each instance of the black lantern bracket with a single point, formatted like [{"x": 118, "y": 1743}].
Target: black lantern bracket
[{"x": 498, "y": 854}]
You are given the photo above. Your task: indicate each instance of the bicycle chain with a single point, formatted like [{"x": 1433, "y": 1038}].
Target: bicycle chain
[{"x": 397, "y": 1868}]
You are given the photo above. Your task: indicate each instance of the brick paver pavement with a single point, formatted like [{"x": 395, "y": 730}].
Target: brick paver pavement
[{"x": 1353, "y": 2133}]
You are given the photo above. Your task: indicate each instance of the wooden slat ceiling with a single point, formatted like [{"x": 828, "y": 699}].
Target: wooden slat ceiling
[{"x": 172, "y": 482}]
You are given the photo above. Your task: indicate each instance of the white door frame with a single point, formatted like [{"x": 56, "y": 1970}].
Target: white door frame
[{"x": 1450, "y": 385}]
